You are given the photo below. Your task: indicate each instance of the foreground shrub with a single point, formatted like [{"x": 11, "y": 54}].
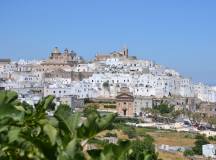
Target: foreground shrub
[
  {"x": 28, "y": 132},
  {"x": 188, "y": 153}
]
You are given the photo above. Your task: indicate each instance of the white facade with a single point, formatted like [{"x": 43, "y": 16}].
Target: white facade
[
  {"x": 205, "y": 93},
  {"x": 209, "y": 150},
  {"x": 142, "y": 77}
]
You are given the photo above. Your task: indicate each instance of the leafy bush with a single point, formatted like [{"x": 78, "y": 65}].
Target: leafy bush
[
  {"x": 188, "y": 153},
  {"x": 164, "y": 108},
  {"x": 28, "y": 133},
  {"x": 128, "y": 130},
  {"x": 212, "y": 138},
  {"x": 142, "y": 147}
]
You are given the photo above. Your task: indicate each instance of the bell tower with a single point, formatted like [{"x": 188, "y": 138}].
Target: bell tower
[{"x": 125, "y": 52}]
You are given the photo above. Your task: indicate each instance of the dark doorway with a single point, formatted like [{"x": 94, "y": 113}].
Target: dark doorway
[
  {"x": 140, "y": 114},
  {"x": 124, "y": 112}
]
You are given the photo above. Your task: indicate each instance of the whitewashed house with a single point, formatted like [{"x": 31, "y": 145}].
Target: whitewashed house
[{"x": 209, "y": 150}]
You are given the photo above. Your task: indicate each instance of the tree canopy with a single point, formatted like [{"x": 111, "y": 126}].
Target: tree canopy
[
  {"x": 164, "y": 108},
  {"x": 200, "y": 141}
]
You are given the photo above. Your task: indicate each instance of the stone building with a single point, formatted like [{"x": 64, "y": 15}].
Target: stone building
[
  {"x": 141, "y": 103},
  {"x": 58, "y": 75},
  {"x": 78, "y": 76},
  {"x": 116, "y": 54},
  {"x": 178, "y": 102},
  {"x": 207, "y": 108},
  {"x": 61, "y": 60},
  {"x": 124, "y": 103},
  {"x": 3, "y": 64}
]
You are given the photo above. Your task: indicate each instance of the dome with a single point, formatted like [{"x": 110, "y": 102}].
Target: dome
[{"x": 55, "y": 50}]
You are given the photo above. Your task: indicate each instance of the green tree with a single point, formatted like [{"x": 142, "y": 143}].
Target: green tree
[
  {"x": 128, "y": 130},
  {"x": 200, "y": 141},
  {"x": 211, "y": 120},
  {"x": 141, "y": 148},
  {"x": 188, "y": 153},
  {"x": 164, "y": 108}
]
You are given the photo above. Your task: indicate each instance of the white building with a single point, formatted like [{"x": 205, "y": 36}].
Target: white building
[
  {"x": 142, "y": 77},
  {"x": 209, "y": 150}
]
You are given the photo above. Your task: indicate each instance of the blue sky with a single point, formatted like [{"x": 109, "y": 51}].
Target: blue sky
[{"x": 179, "y": 34}]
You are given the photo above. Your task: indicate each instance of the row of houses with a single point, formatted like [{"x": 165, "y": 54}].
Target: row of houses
[{"x": 66, "y": 73}]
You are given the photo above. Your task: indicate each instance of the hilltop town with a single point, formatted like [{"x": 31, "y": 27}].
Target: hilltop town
[
  {"x": 71, "y": 88},
  {"x": 132, "y": 83}
]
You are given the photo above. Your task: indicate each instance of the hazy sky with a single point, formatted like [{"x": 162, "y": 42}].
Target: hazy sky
[{"x": 179, "y": 34}]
